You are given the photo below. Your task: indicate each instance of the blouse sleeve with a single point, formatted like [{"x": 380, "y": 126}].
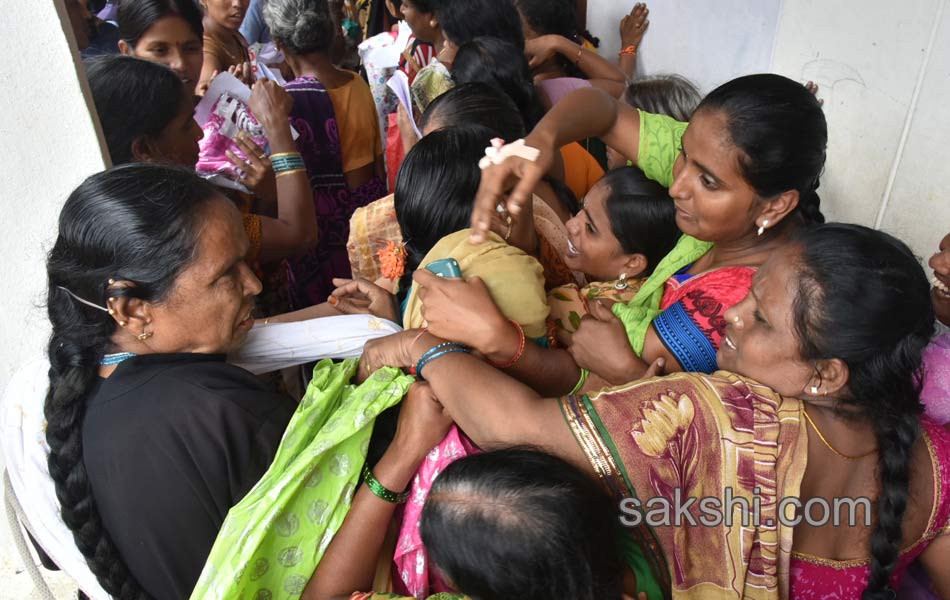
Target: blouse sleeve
[
  {"x": 692, "y": 327},
  {"x": 660, "y": 143}
]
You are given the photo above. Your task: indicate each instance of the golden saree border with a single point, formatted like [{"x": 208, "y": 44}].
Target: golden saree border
[{"x": 692, "y": 435}]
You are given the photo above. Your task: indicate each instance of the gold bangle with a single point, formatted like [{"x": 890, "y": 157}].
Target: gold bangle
[
  {"x": 577, "y": 61},
  {"x": 291, "y": 172},
  {"x": 278, "y": 155}
]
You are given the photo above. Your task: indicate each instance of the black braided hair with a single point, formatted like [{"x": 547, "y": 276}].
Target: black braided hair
[
  {"x": 134, "y": 223},
  {"x": 864, "y": 299},
  {"x": 781, "y": 134}
]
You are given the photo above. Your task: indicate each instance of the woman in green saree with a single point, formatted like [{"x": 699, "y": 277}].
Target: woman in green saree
[{"x": 818, "y": 400}]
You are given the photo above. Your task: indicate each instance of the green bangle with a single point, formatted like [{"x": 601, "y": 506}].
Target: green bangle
[
  {"x": 580, "y": 382},
  {"x": 380, "y": 491}
]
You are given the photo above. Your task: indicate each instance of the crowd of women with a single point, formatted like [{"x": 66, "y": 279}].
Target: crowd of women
[{"x": 683, "y": 325}]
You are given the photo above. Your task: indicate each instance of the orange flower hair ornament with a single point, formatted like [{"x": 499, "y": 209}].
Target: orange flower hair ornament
[{"x": 392, "y": 260}]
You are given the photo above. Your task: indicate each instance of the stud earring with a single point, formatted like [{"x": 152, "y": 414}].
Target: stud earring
[
  {"x": 762, "y": 227},
  {"x": 622, "y": 282},
  {"x": 122, "y": 323},
  {"x": 735, "y": 319},
  {"x": 814, "y": 390},
  {"x": 144, "y": 335}
]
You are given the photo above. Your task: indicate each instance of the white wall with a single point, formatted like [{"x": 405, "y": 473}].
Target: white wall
[
  {"x": 884, "y": 72},
  {"x": 49, "y": 145}
]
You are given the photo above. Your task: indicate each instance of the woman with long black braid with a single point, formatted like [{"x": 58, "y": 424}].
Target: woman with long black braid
[{"x": 152, "y": 435}]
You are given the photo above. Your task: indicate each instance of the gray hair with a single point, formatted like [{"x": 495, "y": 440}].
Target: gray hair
[
  {"x": 670, "y": 95},
  {"x": 301, "y": 26}
]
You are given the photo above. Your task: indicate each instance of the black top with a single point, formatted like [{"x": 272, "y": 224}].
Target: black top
[{"x": 171, "y": 442}]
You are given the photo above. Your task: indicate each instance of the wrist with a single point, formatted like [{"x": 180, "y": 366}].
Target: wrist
[
  {"x": 504, "y": 344},
  {"x": 395, "y": 469}
]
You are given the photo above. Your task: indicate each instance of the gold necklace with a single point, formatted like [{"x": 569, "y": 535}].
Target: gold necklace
[{"x": 830, "y": 447}]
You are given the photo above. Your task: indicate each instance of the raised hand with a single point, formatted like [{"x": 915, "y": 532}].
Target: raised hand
[{"x": 634, "y": 25}]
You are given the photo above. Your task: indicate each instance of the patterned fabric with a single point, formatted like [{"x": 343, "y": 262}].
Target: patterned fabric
[
  {"x": 431, "y": 82},
  {"x": 229, "y": 117},
  {"x": 569, "y": 303},
  {"x": 377, "y": 56},
  {"x": 638, "y": 314},
  {"x": 412, "y": 561},
  {"x": 386, "y": 596},
  {"x": 936, "y": 391},
  {"x": 310, "y": 275},
  {"x": 817, "y": 578},
  {"x": 252, "y": 226},
  {"x": 371, "y": 226},
  {"x": 273, "y": 539},
  {"x": 692, "y": 324},
  {"x": 695, "y": 435},
  {"x": 660, "y": 145}
]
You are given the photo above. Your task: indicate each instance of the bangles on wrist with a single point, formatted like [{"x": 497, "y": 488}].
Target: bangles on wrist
[{"x": 381, "y": 491}]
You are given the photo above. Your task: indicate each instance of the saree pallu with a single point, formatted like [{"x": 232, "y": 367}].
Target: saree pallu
[
  {"x": 311, "y": 274},
  {"x": 690, "y": 435}
]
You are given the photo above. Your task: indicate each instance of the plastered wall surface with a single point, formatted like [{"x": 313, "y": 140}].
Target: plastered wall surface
[
  {"x": 48, "y": 145},
  {"x": 884, "y": 72}
]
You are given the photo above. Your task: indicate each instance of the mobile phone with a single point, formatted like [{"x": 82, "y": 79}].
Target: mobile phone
[{"x": 447, "y": 267}]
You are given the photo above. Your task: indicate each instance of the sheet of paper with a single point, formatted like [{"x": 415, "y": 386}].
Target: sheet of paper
[{"x": 399, "y": 84}]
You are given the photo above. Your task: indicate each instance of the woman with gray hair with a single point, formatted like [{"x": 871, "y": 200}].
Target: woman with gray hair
[{"x": 340, "y": 139}]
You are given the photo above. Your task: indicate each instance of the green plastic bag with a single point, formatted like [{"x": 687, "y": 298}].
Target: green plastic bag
[{"x": 272, "y": 540}]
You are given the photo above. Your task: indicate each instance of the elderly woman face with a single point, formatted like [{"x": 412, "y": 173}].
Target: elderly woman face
[
  {"x": 760, "y": 341},
  {"x": 208, "y": 309}
]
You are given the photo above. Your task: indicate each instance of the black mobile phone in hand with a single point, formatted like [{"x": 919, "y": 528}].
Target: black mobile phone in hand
[{"x": 447, "y": 267}]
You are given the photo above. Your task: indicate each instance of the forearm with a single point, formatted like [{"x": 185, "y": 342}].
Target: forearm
[
  {"x": 582, "y": 114},
  {"x": 296, "y": 216},
  {"x": 591, "y": 64},
  {"x": 305, "y": 314},
  {"x": 628, "y": 64},
  {"x": 350, "y": 561},
  {"x": 549, "y": 372}
]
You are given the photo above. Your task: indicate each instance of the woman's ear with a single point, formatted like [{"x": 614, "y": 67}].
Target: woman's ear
[
  {"x": 124, "y": 48},
  {"x": 635, "y": 265},
  {"x": 830, "y": 378},
  {"x": 143, "y": 150},
  {"x": 777, "y": 209}
]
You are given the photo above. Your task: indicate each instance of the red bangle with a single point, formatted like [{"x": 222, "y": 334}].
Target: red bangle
[
  {"x": 412, "y": 368},
  {"x": 628, "y": 50},
  {"x": 518, "y": 354}
]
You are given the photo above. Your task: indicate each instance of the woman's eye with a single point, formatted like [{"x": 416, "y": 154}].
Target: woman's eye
[
  {"x": 758, "y": 317},
  {"x": 590, "y": 229},
  {"x": 708, "y": 183}
]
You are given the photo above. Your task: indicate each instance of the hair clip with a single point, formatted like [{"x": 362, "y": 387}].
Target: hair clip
[{"x": 499, "y": 151}]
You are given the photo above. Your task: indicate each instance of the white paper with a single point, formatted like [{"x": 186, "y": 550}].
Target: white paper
[{"x": 399, "y": 84}]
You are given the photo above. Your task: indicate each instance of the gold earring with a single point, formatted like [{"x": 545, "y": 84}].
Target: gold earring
[
  {"x": 144, "y": 335},
  {"x": 122, "y": 323},
  {"x": 622, "y": 282}
]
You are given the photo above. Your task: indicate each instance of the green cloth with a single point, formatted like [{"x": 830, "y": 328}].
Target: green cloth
[
  {"x": 637, "y": 314},
  {"x": 660, "y": 143},
  {"x": 272, "y": 540}
]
